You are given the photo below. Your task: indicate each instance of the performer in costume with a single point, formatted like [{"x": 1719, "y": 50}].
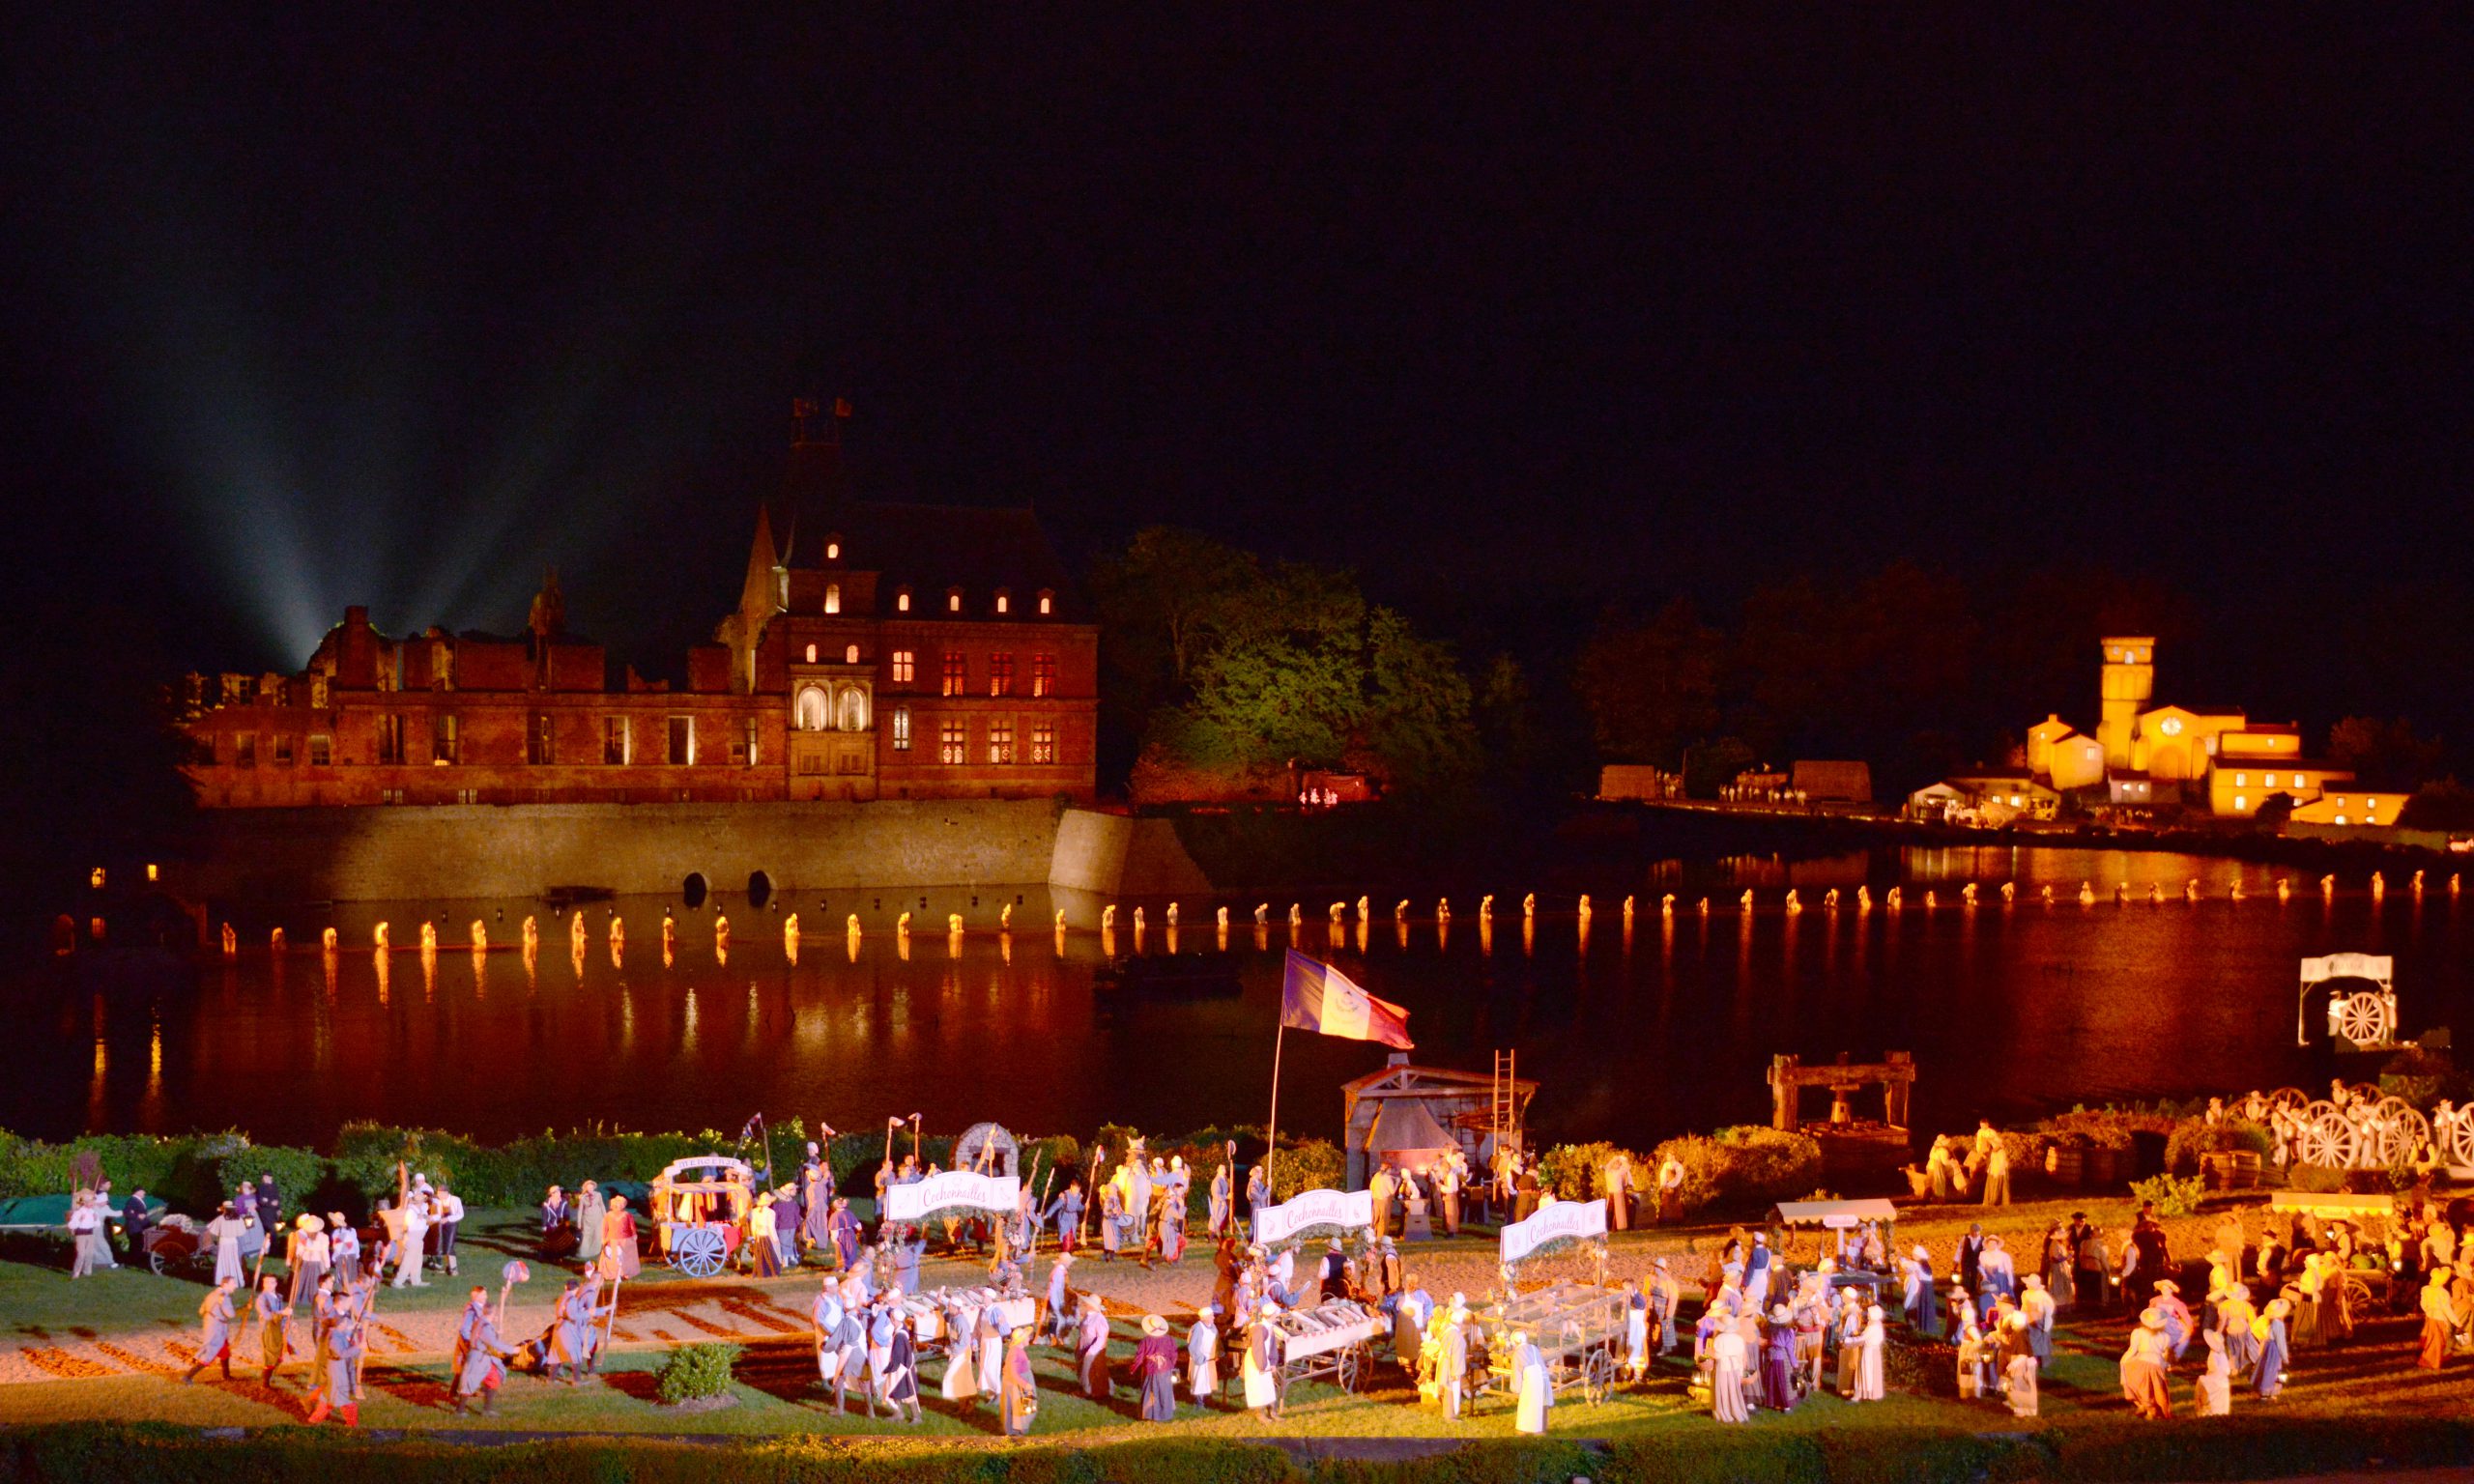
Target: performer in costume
[
  {"x": 215, "y": 1324},
  {"x": 1154, "y": 1370}
]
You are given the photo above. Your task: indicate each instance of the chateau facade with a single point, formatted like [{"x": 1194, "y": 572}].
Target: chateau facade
[{"x": 879, "y": 650}]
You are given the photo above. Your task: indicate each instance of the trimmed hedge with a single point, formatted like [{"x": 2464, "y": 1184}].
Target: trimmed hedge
[{"x": 1748, "y": 1165}]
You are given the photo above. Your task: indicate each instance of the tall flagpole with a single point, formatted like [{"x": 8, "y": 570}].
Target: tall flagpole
[{"x": 1271, "y": 1134}]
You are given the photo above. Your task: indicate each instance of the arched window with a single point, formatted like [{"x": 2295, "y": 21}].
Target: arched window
[
  {"x": 833, "y": 548},
  {"x": 852, "y": 709},
  {"x": 812, "y": 714},
  {"x": 952, "y": 600},
  {"x": 1005, "y": 601},
  {"x": 902, "y": 600},
  {"x": 850, "y": 654},
  {"x": 1048, "y": 602},
  {"x": 811, "y": 654},
  {"x": 833, "y": 597}
]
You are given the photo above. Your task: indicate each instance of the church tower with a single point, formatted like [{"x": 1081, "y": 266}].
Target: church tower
[{"x": 2129, "y": 681}]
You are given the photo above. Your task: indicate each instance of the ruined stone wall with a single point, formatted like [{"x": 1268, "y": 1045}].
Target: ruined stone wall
[{"x": 391, "y": 852}]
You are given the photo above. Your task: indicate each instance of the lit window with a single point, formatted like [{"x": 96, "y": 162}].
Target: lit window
[
  {"x": 2241, "y": 780},
  {"x": 902, "y": 667},
  {"x": 2172, "y": 727},
  {"x": 902, "y": 600},
  {"x": 2241, "y": 802},
  {"x": 952, "y": 600},
  {"x": 614, "y": 741},
  {"x": 956, "y": 673},
  {"x": 2340, "y": 818},
  {"x": 833, "y": 597},
  {"x": 1003, "y": 603},
  {"x": 1042, "y": 742},
  {"x": 810, "y": 711},
  {"x": 949, "y": 743},
  {"x": 1048, "y": 602},
  {"x": 1000, "y": 675},
  {"x": 444, "y": 737},
  {"x": 850, "y": 654},
  {"x": 833, "y": 551},
  {"x": 321, "y": 751},
  {"x": 902, "y": 729},
  {"x": 682, "y": 741},
  {"x": 1000, "y": 741},
  {"x": 1043, "y": 674},
  {"x": 811, "y": 654},
  {"x": 2268, "y": 780},
  {"x": 2017, "y": 802}
]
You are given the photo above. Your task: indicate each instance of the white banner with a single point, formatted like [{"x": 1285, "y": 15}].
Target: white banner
[
  {"x": 955, "y": 1188},
  {"x": 1564, "y": 1219},
  {"x": 1350, "y": 1209}
]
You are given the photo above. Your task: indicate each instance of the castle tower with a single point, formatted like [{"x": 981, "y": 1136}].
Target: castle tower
[{"x": 2129, "y": 681}]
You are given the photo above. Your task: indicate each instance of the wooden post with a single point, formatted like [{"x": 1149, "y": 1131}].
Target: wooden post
[
  {"x": 1901, "y": 1083},
  {"x": 1782, "y": 1092}
]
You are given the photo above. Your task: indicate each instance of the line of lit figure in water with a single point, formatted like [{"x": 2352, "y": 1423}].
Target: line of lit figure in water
[{"x": 1342, "y": 924}]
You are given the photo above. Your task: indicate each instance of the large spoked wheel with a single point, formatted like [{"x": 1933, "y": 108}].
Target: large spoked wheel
[
  {"x": 2363, "y": 1020},
  {"x": 2403, "y": 1130},
  {"x": 1346, "y": 1368},
  {"x": 2326, "y": 1137},
  {"x": 2291, "y": 1099},
  {"x": 1597, "y": 1376},
  {"x": 2357, "y": 1293},
  {"x": 2457, "y": 1139},
  {"x": 697, "y": 1252}
]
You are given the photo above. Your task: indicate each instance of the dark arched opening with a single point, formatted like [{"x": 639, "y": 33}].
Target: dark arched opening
[
  {"x": 760, "y": 889},
  {"x": 692, "y": 890}
]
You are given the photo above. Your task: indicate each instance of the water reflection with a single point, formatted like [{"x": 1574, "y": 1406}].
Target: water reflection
[{"x": 2014, "y": 1004}]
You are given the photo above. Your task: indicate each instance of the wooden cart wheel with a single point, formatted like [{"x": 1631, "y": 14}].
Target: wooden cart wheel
[
  {"x": 2363, "y": 1020},
  {"x": 2291, "y": 1099},
  {"x": 697, "y": 1251},
  {"x": 1597, "y": 1376},
  {"x": 2325, "y": 1138},
  {"x": 2357, "y": 1294},
  {"x": 1345, "y": 1367},
  {"x": 2457, "y": 1137}
]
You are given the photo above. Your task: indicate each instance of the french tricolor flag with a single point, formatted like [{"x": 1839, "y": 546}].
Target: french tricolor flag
[{"x": 1314, "y": 996}]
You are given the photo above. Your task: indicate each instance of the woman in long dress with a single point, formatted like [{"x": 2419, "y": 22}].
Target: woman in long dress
[
  {"x": 1451, "y": 1364},
  {"x": 1868, "y": 1356},
  {"x": 1019, "y": 1397},
  {"x": 1091, "y": 1350},
  {"x": 591, "y": 1213},
  {"x": 2439, "y": 1321},
  {"x": 990, "y": 1332},
  {"x": 1202, "y": 1353},
  {"x": 961, "y": 1383},
  {"x": 1262, "y": 1393},
  {"x": 2269, "y": 1330},
  {"x": 617, "y": 1258},
  {"x": 2143, "y": 1368},
  {"x": 1154, "y": 1370},
  {"x": 1537, "y": 1391},
  {"x": 1637, "y": 1329},
  {"x": 224, "y": 1231},
  {"x": 1727, "y": 1361},
  {"x": 2216, "y": 1380},
  {"x": 1778, "y": 1359}
]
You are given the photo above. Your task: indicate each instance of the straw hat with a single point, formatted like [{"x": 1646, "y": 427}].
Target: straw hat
[
  {"x": 2032, "y": 1280},
  {"x": 1153, "y": 1324},
  {"x": 1778, "y": 1314},
  {"x": 306, "y": 1222},
  {"x": 2152, "y": 1319},
  {"x": 2168, "y": 1285}
]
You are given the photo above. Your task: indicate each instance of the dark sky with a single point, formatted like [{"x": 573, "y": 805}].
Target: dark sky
[{"x": 395, "y": 306}]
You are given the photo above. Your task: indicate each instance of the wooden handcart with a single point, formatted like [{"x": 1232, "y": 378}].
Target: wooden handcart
[{"x": 1580, "y": 1330}]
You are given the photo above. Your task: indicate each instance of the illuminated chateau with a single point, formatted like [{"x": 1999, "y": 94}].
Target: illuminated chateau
[
  {"x": 2146, "y": 757},
  {"x": 878, "y": 650}
]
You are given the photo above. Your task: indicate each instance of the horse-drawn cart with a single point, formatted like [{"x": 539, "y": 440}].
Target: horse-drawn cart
[
  {"x": 1326, "y": 1342},
  {"x": 1578, "y": 1328},
  {"x": 697, "y": 1205},
  {"x": 177, "y": 1241}
]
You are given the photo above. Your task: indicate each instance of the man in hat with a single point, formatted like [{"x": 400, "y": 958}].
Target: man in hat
[
  {"x": 1618, "y": 1176},
  {"x": 1410, "y": 1315},
  {"x": 1971, "y": 1258},
  {"x": 1091, "y": 1350},
  {"x": 1666, "y": 1297},
  {"x": 1154, "y": 1370},
  {"x": 2037, "y": 1307},
  {"x": 845, "y": 1234},
  {"x": 274, "y": 1315},
  {"x": 480, "y": 1360},
  {"x": 1054, "y": 1309},
  {"x": 310, "y": 1254},
  {"x": 339, "y": 1380},
  {"x": 555, "y": 1210},
  {"x": 1202, "y": 1356},
  {"x": 1756, "y": 1271},
  {"x": 215, "y": 1315}
]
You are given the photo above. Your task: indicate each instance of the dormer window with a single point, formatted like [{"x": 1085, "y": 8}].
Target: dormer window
[
  {"x": 811, "y": 654},
  {"x": 1048, "y": 602},
  {"x": 833, "y": 597},
  {"x": 833, "y": 548},
  {"x": 850, "y": 653},
  {"x": 1003, "y": 602},
  {"x": 952, "y": 600},
  {"x": 902, "y": 600}
]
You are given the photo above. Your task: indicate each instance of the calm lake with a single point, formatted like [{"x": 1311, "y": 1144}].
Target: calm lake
[{"x": 2009, "y": 1009}]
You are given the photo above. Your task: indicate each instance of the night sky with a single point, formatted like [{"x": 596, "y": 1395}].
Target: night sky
[{"x": 398, "y": 307}]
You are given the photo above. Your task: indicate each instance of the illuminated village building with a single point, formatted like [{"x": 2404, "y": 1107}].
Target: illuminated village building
[
  {"x": 878, "y": 650},
  {"x": 2146, "y": 757}
]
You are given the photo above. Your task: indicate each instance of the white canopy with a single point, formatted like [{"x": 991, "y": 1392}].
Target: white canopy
[
  {"x": 1836, "y": 1216},
  {"x": 2379, "y": 968}
]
